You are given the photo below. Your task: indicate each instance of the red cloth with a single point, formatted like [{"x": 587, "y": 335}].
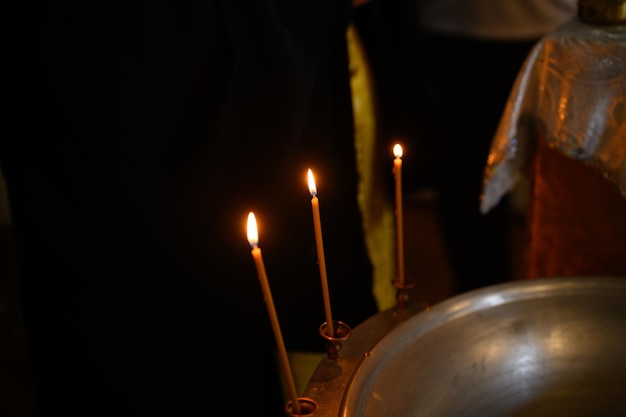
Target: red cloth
[{"x": 576, "y": 219}]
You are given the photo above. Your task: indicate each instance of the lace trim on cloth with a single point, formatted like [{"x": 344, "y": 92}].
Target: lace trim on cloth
[{"x": 572, "y": 86}]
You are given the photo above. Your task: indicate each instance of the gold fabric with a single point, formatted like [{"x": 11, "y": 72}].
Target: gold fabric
[
  {"x": 376, "y": 209},
  {"x": 572, "y": 87},
  {"x": 564, "y": 125}
]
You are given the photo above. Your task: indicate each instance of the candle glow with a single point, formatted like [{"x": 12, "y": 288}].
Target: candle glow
[
  {"x": 317, "y": 224},
  {"x": 397, "y": 150},
  {"x": 312, "y": 187},
  {"x": 253, "y": 231},
  {"x": 253, "y": 239}
]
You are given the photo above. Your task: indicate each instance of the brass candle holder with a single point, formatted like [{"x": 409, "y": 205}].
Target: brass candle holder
[
  {"x": 333, "y": 343},
  {"x": 308, "y": 407}
]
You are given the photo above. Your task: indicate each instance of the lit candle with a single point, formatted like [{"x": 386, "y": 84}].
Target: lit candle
[
  {"x": 397, "y": 169},
  {"x": 253, "y": 239},
  {"x": 317, "y": 224}
]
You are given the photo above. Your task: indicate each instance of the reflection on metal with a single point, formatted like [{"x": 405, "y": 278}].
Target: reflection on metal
[{"x": 541, "y": 347}]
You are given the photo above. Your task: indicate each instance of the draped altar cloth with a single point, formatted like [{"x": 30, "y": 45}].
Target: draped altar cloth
[{"x": 564, "y": 125}]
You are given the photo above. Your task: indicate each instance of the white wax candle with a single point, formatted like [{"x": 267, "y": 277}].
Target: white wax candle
[
  {"x": 317, "y": 225},
  {"x": 397, "y": 165},
  {"x": 253, "y": 239}
]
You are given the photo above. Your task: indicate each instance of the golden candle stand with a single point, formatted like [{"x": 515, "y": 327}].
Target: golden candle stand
[
  {"x": 308, "y": 407},
  {"x": 333, "y": 374},
  {"x": 333, "y": 343},
  {"x": 403, "y": 293}
]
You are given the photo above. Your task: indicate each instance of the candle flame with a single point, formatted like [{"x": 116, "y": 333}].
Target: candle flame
[
  {"x": 397, "y": 151},
  {"x": 312, "y": 187},
  {"x": 253, "y": 233}
]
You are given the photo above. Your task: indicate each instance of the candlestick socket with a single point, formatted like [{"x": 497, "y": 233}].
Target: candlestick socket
[
  {"x": 308, "y": 407},
  {"x": 403, "y": 285},
  {"x": 402, "y": 294},
  {"x": 333, "y": 343}
]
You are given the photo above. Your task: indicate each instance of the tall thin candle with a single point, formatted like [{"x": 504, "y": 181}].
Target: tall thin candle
[
  {"x": 317, "y": 224},
  {"x": 253, "y": 239},
  {"x": 397, "y": 165}
]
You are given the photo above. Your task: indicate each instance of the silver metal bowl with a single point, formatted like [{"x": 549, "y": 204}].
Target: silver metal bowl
[{"x": 545, "y": 347}]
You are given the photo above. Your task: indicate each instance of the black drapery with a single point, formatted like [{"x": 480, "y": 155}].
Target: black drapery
[{"x": 142, "y": 136}]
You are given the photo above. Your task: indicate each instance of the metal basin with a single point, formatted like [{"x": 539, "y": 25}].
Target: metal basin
[{"x": 546, "y": 347}]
